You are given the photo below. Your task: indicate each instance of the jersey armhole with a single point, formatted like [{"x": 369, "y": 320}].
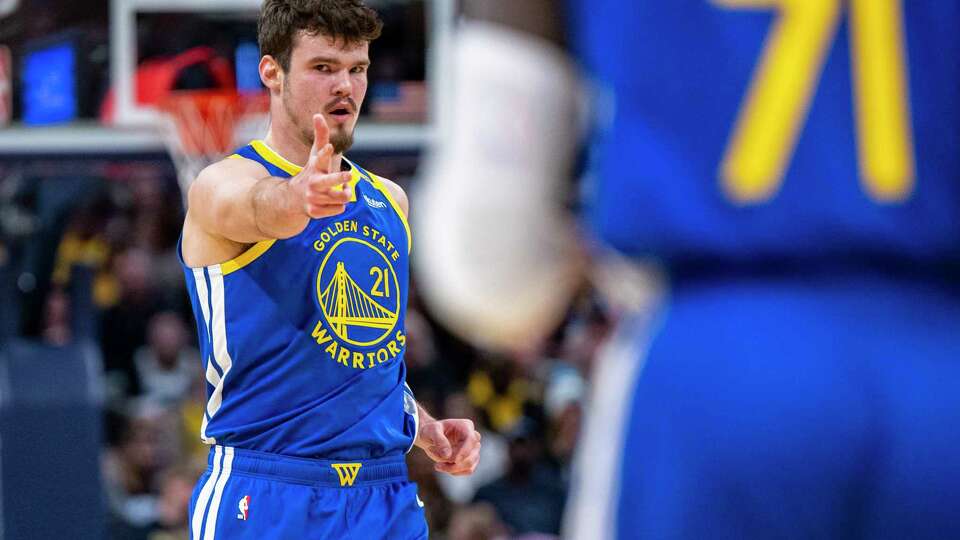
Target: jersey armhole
[
  {"x": 382, "y": 188},
  {"x": 251, "y": 254}
]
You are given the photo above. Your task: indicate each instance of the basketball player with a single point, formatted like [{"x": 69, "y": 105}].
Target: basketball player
[
  {"x": 794, "y": 166},
  {"x": 296, "y": 261}
]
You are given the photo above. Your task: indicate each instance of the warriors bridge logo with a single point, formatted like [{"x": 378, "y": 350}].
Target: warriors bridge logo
[
  {"x": 358, "y": 292},
  {"x": 351, "y": 309}
]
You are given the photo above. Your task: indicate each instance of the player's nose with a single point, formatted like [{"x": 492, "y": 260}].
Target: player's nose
[{"x": 342, "y": 86}]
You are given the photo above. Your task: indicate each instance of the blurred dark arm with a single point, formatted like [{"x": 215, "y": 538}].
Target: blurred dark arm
[{"x": 542, "y": 18}]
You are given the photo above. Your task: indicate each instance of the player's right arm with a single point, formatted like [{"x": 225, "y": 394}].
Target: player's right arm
[{"x": 235, "y": 202}]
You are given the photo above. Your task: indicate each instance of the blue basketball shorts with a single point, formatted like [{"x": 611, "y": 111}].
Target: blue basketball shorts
[
  {"x": 788, "y": 408},
  {"x": 253, "y": 495}
]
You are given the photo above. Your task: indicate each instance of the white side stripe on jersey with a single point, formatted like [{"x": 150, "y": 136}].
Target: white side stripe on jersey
[
  {"x": 219, "y": 333},
  {"x": 408, "y": 393},
  {"x": 211, "y": 528},
  {"x": 203, "y": 431},
  {"x": 212, "y": 376},
  {"x": 200, "y": 509},
  {"x": 203, "y": 298},
  {"x": 221, "y": 355}
]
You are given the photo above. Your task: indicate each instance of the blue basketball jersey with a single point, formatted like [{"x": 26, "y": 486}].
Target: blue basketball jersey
[
  {"x": 302, "y": 339},
  {"x": 744, "y": 130}
]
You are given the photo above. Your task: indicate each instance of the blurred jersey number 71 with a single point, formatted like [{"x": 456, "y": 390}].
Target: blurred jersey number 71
[{"x": 774, "y": 109}]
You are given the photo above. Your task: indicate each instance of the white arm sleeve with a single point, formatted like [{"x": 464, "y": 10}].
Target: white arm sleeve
[{"x": 498, "y": 258}]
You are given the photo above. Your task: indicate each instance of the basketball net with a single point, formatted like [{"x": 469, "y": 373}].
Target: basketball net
[{"x": 200, "y": 127}]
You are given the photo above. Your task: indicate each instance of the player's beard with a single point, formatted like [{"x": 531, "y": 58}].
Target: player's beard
[{"x": 341, "y": 139}]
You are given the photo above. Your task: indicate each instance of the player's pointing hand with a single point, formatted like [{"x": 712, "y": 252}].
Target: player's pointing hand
[{"x": 322, "y": 193}]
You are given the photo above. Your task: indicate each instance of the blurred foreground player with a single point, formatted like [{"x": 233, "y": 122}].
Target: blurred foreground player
[
  {"x": 796, "y": 168},
  {"x": 296, "y": 263}
]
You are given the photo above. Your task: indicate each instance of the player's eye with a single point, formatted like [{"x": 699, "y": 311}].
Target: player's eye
[
  {"x": 359, "y": 69},
  {"x": 323, "y": 67}
]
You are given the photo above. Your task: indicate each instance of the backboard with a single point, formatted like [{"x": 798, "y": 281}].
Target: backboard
[{"x": 125, "y": 20}]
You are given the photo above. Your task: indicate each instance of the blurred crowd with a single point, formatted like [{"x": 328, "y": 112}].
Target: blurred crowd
[{"x": 115, "y": 278}]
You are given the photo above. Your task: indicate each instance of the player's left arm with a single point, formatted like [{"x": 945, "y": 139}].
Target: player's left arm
[
  {"x": 398, "y": 195},
  {"x": 454, "y": 444}
]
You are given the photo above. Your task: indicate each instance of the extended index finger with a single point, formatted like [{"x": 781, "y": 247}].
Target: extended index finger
[{"x": 321, "y": 134}]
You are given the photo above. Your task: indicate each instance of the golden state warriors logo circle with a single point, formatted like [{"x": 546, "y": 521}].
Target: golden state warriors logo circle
[{"x": 358, "y": 291}]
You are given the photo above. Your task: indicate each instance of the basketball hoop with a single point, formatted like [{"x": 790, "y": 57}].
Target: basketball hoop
[{"x": 200, "y": 127}]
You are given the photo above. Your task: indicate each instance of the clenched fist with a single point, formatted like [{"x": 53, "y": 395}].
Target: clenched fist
[{"x": 453, "y": 444}]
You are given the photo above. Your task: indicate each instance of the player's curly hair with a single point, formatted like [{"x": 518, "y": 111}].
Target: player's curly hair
[{"x": 349, "y": 21}]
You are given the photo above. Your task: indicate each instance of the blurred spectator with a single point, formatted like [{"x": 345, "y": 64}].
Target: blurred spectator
[
  {"x": 176, "y": 488},
  {"x": 493, "y": 454},
  {"x": 155, "y": 221},
  {"x": 190, "y": 412},
  {"x": 166, "y": 366},
  {"x": 565, "y": 428},
  {"x": 562, "y": 401},
  {"x": 499, "y": 391},
  {"x": 146, "y": 444},
  {"x": 124, "y": 326},
  {"x": 85, "y": 243},
  {"x": 56, "y": 319},
  {"x": 426, "y": 373},
  {"x": 564, "y": 386},
  {"x": 476, "y": 522},
  {"x": 530, "y": 496}
]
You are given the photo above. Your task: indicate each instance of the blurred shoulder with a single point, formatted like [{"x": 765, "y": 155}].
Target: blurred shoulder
[{"x": 397, "y": 193}]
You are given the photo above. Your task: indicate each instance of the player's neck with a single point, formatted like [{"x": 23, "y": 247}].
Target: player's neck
[{"x": 294, "y": 150}]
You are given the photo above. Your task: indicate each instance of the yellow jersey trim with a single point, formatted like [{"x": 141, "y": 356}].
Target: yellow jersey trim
[
  {"x": 378, "y": 183},
  {"x": 293, "y": 169},
  {"x": 247, "y": 257},
  {"x": 354, "y": 178},
  {"x": 274, "y": 158}
]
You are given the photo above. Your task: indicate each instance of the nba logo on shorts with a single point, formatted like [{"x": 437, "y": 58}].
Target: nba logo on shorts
[{"x": 244, "y": 506}]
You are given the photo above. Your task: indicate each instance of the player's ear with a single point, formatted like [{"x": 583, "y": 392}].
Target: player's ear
[{"x": 271, "y": 73}]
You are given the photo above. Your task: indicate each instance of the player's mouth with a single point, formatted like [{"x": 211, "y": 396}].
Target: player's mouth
[{"x": 340, "y": 112}]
